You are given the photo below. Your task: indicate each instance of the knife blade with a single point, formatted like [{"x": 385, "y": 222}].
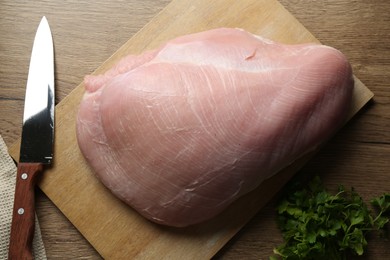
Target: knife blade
[{"x": 36, "y": 149}]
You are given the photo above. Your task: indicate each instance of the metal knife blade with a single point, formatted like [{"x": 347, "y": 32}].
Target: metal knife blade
[{"x": 36, "y": 148}]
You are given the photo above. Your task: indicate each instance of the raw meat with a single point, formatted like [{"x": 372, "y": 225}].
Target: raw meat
[{"x": 180, "y": 132}]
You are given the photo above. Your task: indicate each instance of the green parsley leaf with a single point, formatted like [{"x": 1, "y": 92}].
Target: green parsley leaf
[{"x": 318, "y": 225}]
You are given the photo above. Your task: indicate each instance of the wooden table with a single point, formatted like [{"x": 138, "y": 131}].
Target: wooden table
[{"x": 86, "y": 33}]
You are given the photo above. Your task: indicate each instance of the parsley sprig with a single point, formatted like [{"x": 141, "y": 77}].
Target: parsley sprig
[{"x": 319, "y": 225}]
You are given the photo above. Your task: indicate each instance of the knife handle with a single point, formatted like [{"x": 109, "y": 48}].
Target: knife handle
[{"x": 23, "y": 216}]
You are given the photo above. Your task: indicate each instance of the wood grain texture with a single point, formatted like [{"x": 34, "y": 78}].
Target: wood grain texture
[
  {"x": 356, "y": 156},
  {"x": 23, "y": 216},
  {"x": 114, "y": 229}
]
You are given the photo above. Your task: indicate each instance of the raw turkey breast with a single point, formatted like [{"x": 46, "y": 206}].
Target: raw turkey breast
[{"x": 180, "y": 132}]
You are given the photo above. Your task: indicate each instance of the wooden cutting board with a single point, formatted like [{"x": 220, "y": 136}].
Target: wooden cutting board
[{"x": 114, "y": 229}]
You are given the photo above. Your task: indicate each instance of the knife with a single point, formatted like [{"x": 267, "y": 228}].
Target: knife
[{"x": 36, "y": 149}]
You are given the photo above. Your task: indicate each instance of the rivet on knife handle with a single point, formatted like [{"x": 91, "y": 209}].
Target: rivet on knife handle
[
  {"x": 23, "y": 218},
  {"x": 36, "y": 145}
]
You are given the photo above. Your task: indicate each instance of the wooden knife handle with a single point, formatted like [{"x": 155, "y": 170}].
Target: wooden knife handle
[{"x": 23, "y": 216}]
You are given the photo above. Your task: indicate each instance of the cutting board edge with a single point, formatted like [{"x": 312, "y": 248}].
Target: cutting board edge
[{"x": 102, "y": 68}]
